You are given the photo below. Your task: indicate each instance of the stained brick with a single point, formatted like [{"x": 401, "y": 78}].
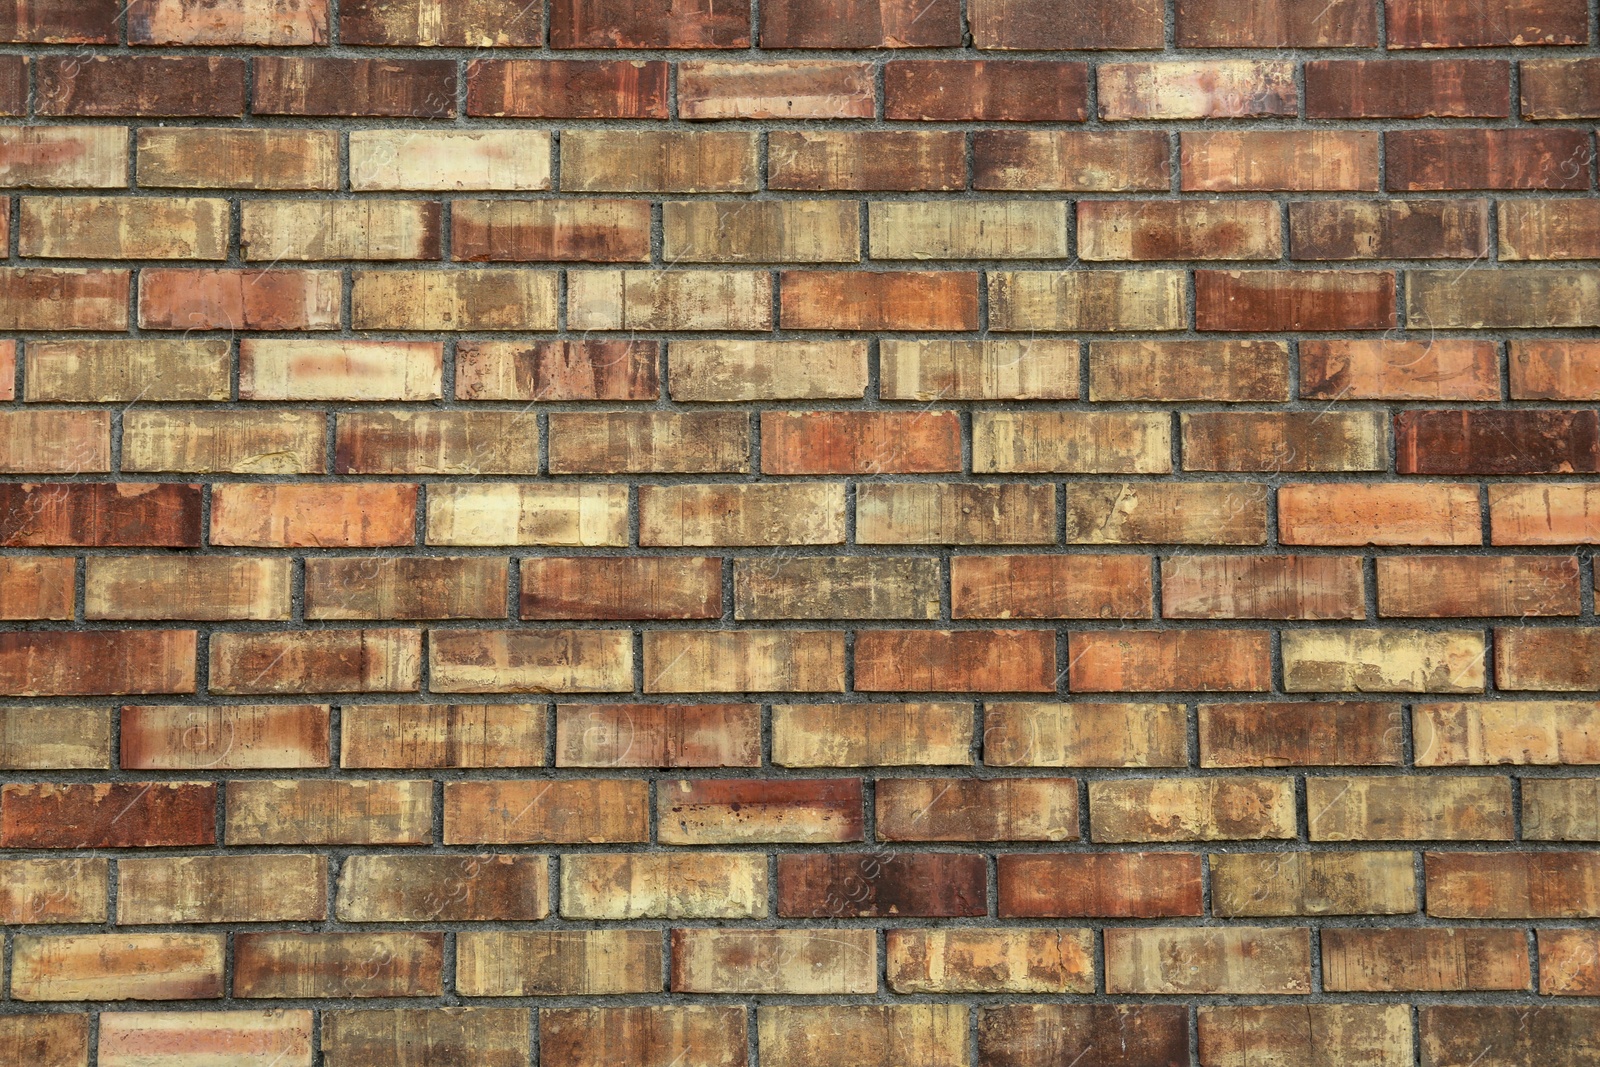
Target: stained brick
[
  {"x": 313, "y": 515},
  {"x": 449, "y": 160},
  {"x": 567, "y": 88},
  {"x": 181, "y": 86},
  {"x": 1438, "y": 369},
  {"x": 1149, "y": 513},
  {"x": 955, "y": 661},
  {"x": 1283, "y": 301},
  {"x": 878, "y": 300},
  {"x": 1434, "y": 959},
  {"x": 214, "y": 588},
  {"x": 1374, "y": 1034},
  {"x": 1006, "y": 229},
  {"x": 1497, "y": 442},
  {"x": 178, "y": 737},
  {"x": 224, "y": 442},
  {"x": 1095, "y": 301},
  {"x": 783, "y": 89},
  {"x": 63, "y": 157},
  {"x": 852, "y": 885},
  {"x": 1560, "y": 809},
  {"x": 1566, "y": 963},
  {"x": 1085, "y": 735},
  {"x": 372, "y": 587},
  {"x": 648, "y": 443},
  {"x": 46, "y": 1039},
  {"x": 332, "y": 661},
  {"x": 647, "y": 161},
  {"x": 470, "y": 24},
  {"x": 931, "y": 1034},
  {"x": 649, "y": 735},
  {"x": 229, "y": 22},
  {"x": 1169, "y": 661},
  {"x": 543, "y": 231},
  {"x": 648, "y": 24},
  {"x": 1455, "y": 24},
  {"x": 656, "y": 300},
  {"x": 436, "y": 442},
  {"x": 301, "y": 965},
  {"x": 118, "y": 967},
  {"x": 60, "y": 22},
  {"x": 1070, "y": 160},
  {"x": 55, "y": 738},
  {"x": 1487, "y": 159},
  {"x": 1408, "y": 89},
  {"x": 588, "y": 963},
  {"x": 198, "y": 158},
  {"x": 1035, "y": 369},
  {"x": 885, "y": 160},
  {"x": 1013, "y": 90},
  {"x": 1226, "y": 161},
  {"x": 1543, "y": 514},
  {"x": 836, "y": 587},
  {"x": 99, "y": 514},
  {"x": 63, "y": 298},
  {"x": 1285, "y": 441},
  {"x": 1409, "y": 808},
  {"x": 660, "y": 587},
  {"x": 530, "y": 661},
  {"x": 1313, "y": 883},
  {"x": 1379, "y": 514},
  {"x": 1513, "y": 885},
  {"x": 1539, "y": 230},
  {"x": 1234, "y": 960},
  {"x": 570, "y": 811},
  {"x": 1536, "y": 732},
  {"x": 902, "y": 734},
  {"x": 286, "y": 230},
  {"x": 743, "y": 811},
  {"x": 1564, "y": 660},
  {"x": 695, "y": 1036},
  {"x": 295, "y": 85},
  {"x": 1197, "y": 90},
  {"x": 1194, "y": 809},
  {"x": 1038, "y": 24},
  {"x": 1036, "y": 1035},
  {"x": 1006, "y": 809},
  {"x": 556, "y": 370},
  {"x": 1389, "y": 229},
  {"x": 837, "y": 961},
  {"x": 493, "y": 1037},
  {"x": 1324, "y": 733},
  {"x": 108, "y": 815},
  {"x": 1445, "y": 586},
  {"x": 470, "y": 888},
  {"x": 442, "y": 735},
  {"x": 222, "y": 889},
  {"x": 123, "y": 228},
  {"x": 527, "y": 514},
  {"x": 172, "y": 299},
  {"x": 97, "y": 662},
  {"x": 1109, "y": 885},
  {"x": 991, "y": 961},
  {"x": 1277, "y": 24},
  {"x": 668, "y": 885},
  {"x": 909, "y": 513},
  {"x": 37, "y": 587},
  {"x": 860, "y": 24},
  {"x": 1559, "y": 88},
  {"x": 332, "y": 811},
  {"x": 923, "y": 442},
  {"x": 1179, "y": 229}
]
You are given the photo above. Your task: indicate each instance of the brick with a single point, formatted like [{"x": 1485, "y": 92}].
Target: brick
[
  {"x": 212, "y": 588},
  {"x": 527, "y": 514},
  {"x": 1389, "y": 229},
  {"x": 180, "y": 737},
  {"x": 621, "y": 588},
  {"x": 405, "y": 588},
  {"x": 588, "y": 963},
  {"x": 302, "y": 965},
  {"x": 1379, "y": 514},
  {"x": 657, "y": 300},
  {"x": 191, "y": 158},
  {"x": 1179, "y": 229},
  {"x": 14, "y": 81},
  {"x": 413, "y": 888},
  {"x": 1036, "y": 1035},
  {"x": 834, "y": 1036},
  {"x": 530, "y": 661},
  {"x": 784, "y": 89},
  {"x": 878, "y": 300},
  {"x": 1560, "y": 809},
  {"x": 290, "y": 230},
  {"x": 117, "y": 967},
  {"x": 794, "y": 513},
  {"x": 185, "y": 1038},
  {"x": 1262, "y": 587},
  {"x": 959, "y": 661},
  {"x": 826, "y": 442},
  {"x": 453, "y": 300},
  {"x": 649, "y": 161},
  {"x": 1513, "y": 885},
  {"x": 786, "y": 231},
  {"x": 1085, "y": 735},
  {"x": 442, "y": 735},
  {"x": 543, "y": 231},
  {"x": 883, "y": 160},
  {"x": 99, "y": 514},
  {"x": 1487, "y": 159},
  {"x": 1225, "y": 161},
  {"x": 1050, "y": 587},
  {"x": 296, "y": 85},
  {"x": 1194, "y": 809},
  {"x": 1543, "y": 514},
  {"x": 1538, "y": 230},
  {"x": 1234, "y": 960},
  {"x": 476, "y": 24},
  {"x": 492, "y": 1037},
  {"x": 449, "y": 160},
  {"x": 651, "y": 24},
  {"x": 331, "y": 661},
  {"x": 1383, "y": 661},
  {"x": 172, "y": 299},
  {"x": 1149, "y": 513},
  {"x": 222, "y": 889},
  {"x": 56, "y": 22},
  {"x": 329, "y": 811},
  {"x": 732, "y": 371},
  {"x": 1086, "y": 301},
  {"x": 1323, "y": 733},
  {"x": 1431, "y": 960},
  {"x": 52, "y": 891},
  {"x": 569, "y": 811},
  {"x": 1197, "y": 90},
  {"x": 872, "y": 735},
  {"x": 868, "y": 885},
  {"x": 1035, "y": 369},
  {"x": 1558, "y": 88},
  {"x": 1170, "y": 661},
  {"x": 1106, "y": 885},
  {"x": 835, "y": 962},
  {"x": 1566, "y": 963},
  {"x": 1403, "y": 89},
  {"x": 1277, "y": 24},
  {"x": 47, "y": 1039},
  {"x": 645, "y": 442},
  {"x": 8, "y": 370},
  {"x": 1313, "y": 883},
  {"x": 93, "y": 663},
  {"x": 991, "y": 961},
  {"x": 567, "y": 88},
  {"x": 1446, "y": 586},
  {"x": 1012, "y": 90},
  {"x": 1497, "y": 442},
  {"x": 55, "y": 738},
  {"x": 1007, "y": 809},
  {"x": 1071, "y": 160},
  {"x": 1409, "y": 808},
  {"x": 678, "y": 885},
  {"x": 313, "y": 515},
  {"x": 274, "y": 23},
  {"x": 290, "y": 369},
  {"x": 872, "y": 24},
  {"x": 1014, "y": 229},
  {"x": 42, "y": 587},
  {"x": 1285, "y": 441},
  {"x": 108, "y": 815},
  {"x": 436, "y": 442},
  {"x": 1537, "y": 732},
  {"x": 836, "y": 587},
  {"x": 557, "y": 370},
  {"x": 55, "y": 442},
  {"x": 39, "y": 298},
  {"x": 1507, "y": 1036},
  {"x": 1453, "y": 24},
  {"x": 911, "y": 513},
  {"x": 224, "y": 442},
  {"x": 63, "y": 157},
  {"x": 1375, "y": 1035},
  {"x": 1032, "y": 24},
  {"x": 123, "y": 370},
  {"x": 1284, "y": 301},
  {"x": 136, "y": 85},
  {"x": 1438, "y": 369},
  {"x": 648, "y": 735},
  {"x": 698, "y": 1036},
  {"x": 745, "y": 811}
]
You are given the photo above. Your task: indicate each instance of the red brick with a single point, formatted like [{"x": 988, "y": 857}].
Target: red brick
[
  {"x": 1448, "y": 586},
  {"x": 860, "y": 24},
  {"x": 567, "y": 88},
  {"x": 1106, "y": 885},
  {"x": 1003, "y": 90},
  {"x": 406, "y": 88},
  {"x": 224, "y": 22},
  {"x": 649, "y": 24},
  {"x": 1464, "y": 24},
  {"x": 1044, "y": 1035},
  {"x": 878, "y": 300},
  {"x": 86, "y": 663},
  {"x": 1395, "y": 513},
  {"x": 959, "y": 661},
  {"x": 885, "y": 160},
  {"x": 1393, "y": 229},
  {"x": 1277, "y": 24},
  {"x": 449, "y": 23},
  {"x": 782, "y": 89},
  {"x": 871, "y": 884},
  {"x": 313, "y": 515},
  {"x": 1488, "y": 159},
  {"x": 1042, "y": 25},
  {"x": 239, "y": 300},
  {"x": 301, "y": 965},
  {"x": 1560, "y": 88},
  {"x": 36, "y": 587},
  {"x": 1262, "y": 587},
  {"x": 1227, "y": 161},
  {"x": 59, "y": 21},
  {"x": 1284, "y": 301},
  {"x": 99, "y": 515},
  {"x": 1555, "y": 370},
  {"x": 744, "y": 810},
  {"x": 1497, "y": 442},
  {"x": 1071, "y": 160},
  {"x": 38, "y": 298},
  {"x": 1050, "y": 587},
  {"x": 605, "y": 587},
  {"x": 1436, "y": 369},
  {"x": 557, "y": 370},
  {"x": 108, "y": 815},
  {"x": 1513, "y": 885},
  {"x": 841, "y": 442},
  {"x": 1169, "y": 661},
  {"x": 1301, "y": 734},
  {"x": 1408, "y": 89},
  {"x": 652, "y": 735},
  {"x": 211, "y": 86}
]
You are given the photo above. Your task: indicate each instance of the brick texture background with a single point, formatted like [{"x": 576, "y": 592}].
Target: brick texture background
[{"x": 799, "y": 533}]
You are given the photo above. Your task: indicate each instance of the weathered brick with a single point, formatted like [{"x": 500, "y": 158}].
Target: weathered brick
[
  {"x": 371, "y": 587},
  {"x": 1374, "y": 1035},
  {"x": 52, "y": 891},
  {"x": 648, "y": 161},
  {"x": 64, "y": 298},
  {"x": 662, "y": 587},
  {"x": 108, "y": 815},
  {"x": 1497, "y": 442},
  {"x": 1071, "y": 160},
  {"x": 313, "y": 515},
  {"x": 909, "y": 734},
  {"x": 221, "y": 299},
  {"x": 567, "y": 88},
  {"x": 543, "y": 231},
  {"x": 742, "y": 811},
  {"x": 743, "y": 661},
  {"x": 301, "y": 965},
  {"x": 1543, "y": 514},
  {"x": 1015, "y": 229},
  {"x": 795, "y": 513},
  {"x": 771, "y": 231},
  {"x": 97, "y": 662},
  {"x": 1389, "y": 229},
  {"x": 1285, "y": 441},
  {"x": 873, "y": 24},
  {"x": 860, "y": 442},
  {"x": 556, "y": 370},
  {"x": 1262, "y": 587},
  {"x": 569, "y": 811},
  {"x": 222, "y": 889},
  {"x": 136, "y": 85},
  {"x": 1409, "y": 808},
  {"x": 48, "y": 1039},
  {"x": 530, "y": 661},
  {"x": 834, "y": 1036},
  {"x": 436, "y": 442},
  {"x": 1284, "y": 301},
  {"x": 449, "y": 160},
  {"x": 1487, "y": 159},
  {"x": 1006, "y": 809},
  {"x": 878, "y": 300},
  {"x": 1170, "y": 661},
  {"x": 883, "y": 160},
  {"x": 733, "y": 371},
  {"x": 1383, "y": 661},
  {"x": 55, "y": 442},
  {"x": 673, "y": 885},
  {"x": 192, "y": 158},
  {"x": 180, "y": 737},
  {"x": 1050, "y": 587},
  {"x": 836, "y": 587},
  {"x": 491, "y": 1037},
  {"x": 1560, "y": 809},
  {"x": 1011, "y": 90},
  {"x": 99, "y": 514},
  {"x": 1037, "y": 369},
  {"x": 215, "y": 588},
  {"x": 813, "y": 961},
  {"x": 910, "y": 513},
  {"x": 1225, "y": 161},
  {"x": 1147, "y": 513},
  {"x": 955, "y": 661},
  {"x": 867, "y": 885},
  {"x": 329, "y": 811},
  {"x": 1559, "y": 88},
  {"x": 297, "y": 230},
  {"x": 1038, "y": 24},
  {"x": 63, "y": 157},
  {"x": 1235, "y": 960},
  {"x": 1567, "y": 962},
  {"x": 41, "y": 587},
  {"x": 1437, "y": 369},
  {"x": 1313, "y": 883},
  {"x": 1507, "y": 1035},
  {"x": 649, "y": 735},
  {"x": 402, "y": 888},
  {"x": 1179, "y": 229},
  {"x": 1445, "y": 586},
  {"x": 1191, "y": 809},
  {"x": 1435, "y": 959},
  {"x": 409, "y": 88},
  {"x": 1538, "y": 732},
  {"x": 1277, "y": 24},
  {"x": 453, "y": 300},
  {"x": 1513, "y": 885},
  {"x": 442, "y": 735},
  {"x": 1108, "y": 885},
  {"x": 311, "y": 661},
  {"x": 698, "y": 1036},
  {"x": 1404, "y": 89},
  {"x": 280, "y": 1037},
  {"x": 64, "y": 738},
  {"x": 1379, "y": 514},
  {"x": 148, "y": 370},
  {"x": 1197, "y": 90},
  {"x": 1085, "y": 735},
  {"x": 60, "y": 22},
  {"x": 228, "y": 22},
  {"x": 117, "y": 967},
  {"x": 1073, "y": 442},
  {"x": 224, "y": 442},
  {"x": 629, "y": 442},
  {"x": 1037, "y": 1035},
  {"x": 782, "y": 89},
  {"x": 1086, "y": 301},
  {"x": 1454, "y": 24},
  {"x": 1323, "y": 733},
  {"x": 473, "y": 24},
  {"x": 588, "y": 963},
  {"x": 991, "y": 961},
  {"x": 1544, "y": 230},
  {"x": 647, "y": 24},
  {"x": 656, "y": 300}
]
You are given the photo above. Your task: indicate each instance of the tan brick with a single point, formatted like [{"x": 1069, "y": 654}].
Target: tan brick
[
  {"x": 1097, "y": 161},
  {"x": 48, "y": 1039},
  {"x": 224, "y": 22},
  {"x": 313, "y": 515},
  {"x": 1085, "y": 735},
  {"x": 324, "y": 230},
  {"x": 1446, "y": 586},
  {"x": 222, "y": 889},
  {"x": 327, "y": 661},
  {"x": 1018, "y": 229},
  {"x": 355, "y": 587},
  {"x": 1086, "y": 301},
  {"x": 1303, "y": 733},
  {"x": 658, "y": 735},
  {"x": 304, "y": 965},
  {"x": 1502, "y": 299},
  {"x": 1213, "y": 89},
  {"x": 1313, "y": 883},
  {"x": 1533, "y": 732},
  {"x": 138, "y": 227},
  {"x": 1002, "y": 809},
  {"x": 55, "y": 738},
  {"x": 1034, "y": 369},
  {"x": 443, "y": 888},
  {"x": 649, "y": 442},
  {"x": 214, "y": 588},
  {"x": 1409, "y": 808},
  {"x": 144, "y": 370},
  {"x": 1430, "y": 959},
  {"x": 836, "y": 587},
  {"x": 979, "y": 960},
  {"x": 732, "y": 371},
  {"x": 833, "y": 962},
  {"x": 278, "y": 1038},
  {"x": 530, "y": 661},
  {"x": 1153, "y": 513},
  {"x": 646, "y": 1036},
  {"x": 329, "y": 812},
  {"x": 453, "y": 300},
  {"x": 599, "y": 231},
  {"x": 651, "y": 161},
  {"x": 1133, "y": 442},
  {"x": 1262, "y": 587},
  {"x": 437, "y": 442},
  {"x": 1193, "y": 809},
  {"x": 661, "y": 300},
  {"x": 224, "y": 442},
  {"x": 117, "y": 967},
  {"x": 1371, "y": 1035},
  {"x": 621, "y": 587},
  {"x": 675, "y": 885},
  {"x": 761, "y": 231},
  {"x": 933, "y": 1035},
  {"x": 871, "y": 735},
  {"x": 788, "y": 661},
  {"x": 1396, "y": 513},
  {"x": 489, "y": 1037},
  {"x": 1238, "y": 960},
  {"x": 923, "y": 513},
  {"x": 198, "y": 158},
  {"x": 533, "y": 963},
  {"x": 177, "y": 737},
  {"x": 742, "y": 811},
  {"x": 792, "y": 513},
  {"x": 52, "y": 891},
  {"x": 1383, "y": 661},
  {"x": 442, "y": 735},
  {"x": 528, "y": 514},
  {"x": 821, "y": 159},
  {"x": 557, "y": 370},
  {"x": 1244, "y": 371},
  {"x": 566, "y": 811},
  {"x": 449, "y": 160},
  {"x": 55, "y": 442},
  {"x": 785, "y": 89},
  {"x": 42, "y": 587},
  {"x": 1560, "y": 809},
  {"x": 63, "y": 157},
  {"x": 295, "y": 369}
]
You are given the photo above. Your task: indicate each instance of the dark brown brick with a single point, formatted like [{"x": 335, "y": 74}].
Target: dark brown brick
[
  {"x": 1033, "y": 25},
  {"x": 1076, "y": 1035},
  {"x": 1509, "y": 1035},
  {"x": 873, "y": 884},
  {"x": 1306, "y": 734},
  {"x": 1393, "y": 229},
  {"x": 1107, "y": 885},
  {"x": 59, "y": 21},
  {"x": 1283, "y": 301},
  {"x": 649, "y": 24},
  {"x": 1487, "y": 159},
  {"x": 1560, "y": 88},
  {"x": 13, "y": 93},
  {"x": 108, "y": 815},
  {"x": 178, "y": 86},
  {"x": 567, "y": 88},
  {"x": 99, "y": 515},
  {"x": 1497, "y": 442},
  {"x": 1277, "y": 23},
  {"x": 610, "y": 587},
  {"x": 402, "y": 88},
  {"x": 1468, "y": 24},
  {"x": 861, "y": 24},
  {"x": 1408, "y": 89},
  {"x": 450, "y": 23},
  {"x": 1005, "y": 90}
]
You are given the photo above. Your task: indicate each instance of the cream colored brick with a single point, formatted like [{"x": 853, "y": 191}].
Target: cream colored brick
[
  {"x": 761, "y": 231},
  {"x": 995, "y": 229},
  {"x": 445, "y": 160},
  {"x": 662, "y": 300},
  {"x": 586, "y": 515}
]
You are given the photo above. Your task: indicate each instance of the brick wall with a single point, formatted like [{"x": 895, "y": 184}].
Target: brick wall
[{"x": 799, "y": 533}]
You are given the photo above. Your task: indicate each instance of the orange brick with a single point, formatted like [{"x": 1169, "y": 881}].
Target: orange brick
[
  {"x": 1379, "y": 514},
  {"x": 1552, "y": 370},
  {"x": 117, "y": 967},
  {"x": 650, "y": 161},
  {"x": 649, "y": 442},
  {"x": 52, "y": 891},
  {"x": 1170, "y": 660},
  {"x": 847, "y": 442},
  {"x": 878, "y": 300},
  {"x": 128, "y": 1038},
  {"x": 959, "y": 661},
  {"x": 1262, "y": 587},
  {"x": 354, "y": 587},
  {"x": 178, "y": 737},
  {"x": 1536, "y": 732},
  {"x": 239, "y": 300},
  {"x": 540, "y": 231},
  {"x": 302, "y": 965},
  {"x": 1513, "y": 885},
  {"x": 412, "y": 888},
  {"x": 1332, "y": 733},
  {"x": 239, "y": 22},
  {"x": 63, "y": 157},
  {"x": 649, "y": 735},
  {"x": 829, "y": 159},
  {"x": 311, "y": 661},
  {"x": 1271, "y": 161},
  {"x": 1567, "y": 962},
  {"x": 1085, "y": 735},
  {"x": 1095, "y": 161},
  {"x": 36, "y": 587},
  {"x": 880, "y": 735},
  {"x": 312, "y": 515},
  {"x": 88, "y": 663},
  {"x": 1437, "y": 369},
  {"x": 1193, "y": 809},
  {"x": 712, "y": 1036},
  {"x": 108, "y": 815},
  {"x": 785, "y": 89},
  {"x": 1543, "y": 514},
  {"x": 1005, "y": 809},
  {"x": 744, "y": 811},
  {"x": 436, "y": 442},
  {"x": 1050, "y": 587},
  {"x": 1116, "y": 885},
  {"x": 610, "y": 587}
]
